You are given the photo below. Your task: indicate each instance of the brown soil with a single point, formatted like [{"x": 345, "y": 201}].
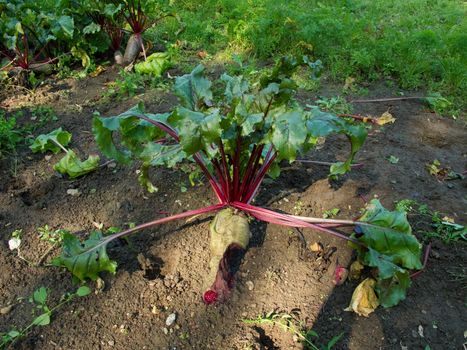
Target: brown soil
[{"x": 162, "y": 270}]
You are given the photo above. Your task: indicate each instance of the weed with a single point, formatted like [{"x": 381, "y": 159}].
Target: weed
[
  {"x": 130, "y": 84},
  {"x": 331, "y": 213},
  {"x": 440, "y": 226},
  {"x": 39, "y": 300},
  {"x": 53, "y": 237},
  {"x": 10, "y": 134},
  {"x": 337, "y": 105},
  {"x": 290, "y": 324},
  {"x": 393, "y": 159},
  {"x": 459, "y": 274}
]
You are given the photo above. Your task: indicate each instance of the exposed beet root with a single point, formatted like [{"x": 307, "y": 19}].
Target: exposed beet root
[
  {"x": 118, "y": 57},
  {"x": 133, "y": 48}
]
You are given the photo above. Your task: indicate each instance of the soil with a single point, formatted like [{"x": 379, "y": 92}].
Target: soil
[{"x": 161, "y": 271}]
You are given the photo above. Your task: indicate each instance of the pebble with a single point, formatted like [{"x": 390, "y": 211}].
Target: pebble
[
  {"x": 5, "y": 310},
  {"x": 73, "y": 192},
  {"x": 111, "y": 343},
  {"x": 250, "y": 285},
  {"x": 165, "y": 330},
  {"x": 170, "y": 319}
]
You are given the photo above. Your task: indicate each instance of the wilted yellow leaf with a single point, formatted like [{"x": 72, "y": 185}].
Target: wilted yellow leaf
[
  {"x": 386, "y": 118},
  {"x": 364, "y": 300},
  {"x": 355, "y": 270},
  {"x": 448, "y": 219},
  {"x": 316, "y": 247},
  {"x": 97, "y": 71}
]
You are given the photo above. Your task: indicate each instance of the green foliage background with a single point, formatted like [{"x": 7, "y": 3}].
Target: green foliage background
[{"x": 419, "y": 43}]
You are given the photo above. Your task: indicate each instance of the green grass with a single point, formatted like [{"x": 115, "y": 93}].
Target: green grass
[{"x": 419, "y": 43}]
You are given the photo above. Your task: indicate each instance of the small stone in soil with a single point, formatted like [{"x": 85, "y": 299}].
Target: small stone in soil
[
  {"x": 73, "y": 192},
  {"x": 170, "y": 319},
  {"x": 250, "y": 285},
  {"x": 5, "y": 310}
]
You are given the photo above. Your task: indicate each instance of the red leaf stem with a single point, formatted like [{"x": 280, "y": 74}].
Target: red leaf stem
[
  {"x": 226, "y": 169},
  {"x": 194, "y": 212},
  {"x": 425, "y": 261},
  {"x": 286, "y": 220},
  {"x": 236, "y": 166},
  {"x": 253, "y": 188},
  {"x": 253, "y": 163}
]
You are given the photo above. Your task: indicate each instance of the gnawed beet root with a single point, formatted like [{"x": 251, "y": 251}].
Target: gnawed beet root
[
  {"x": 230, "y": 235},
  {"x": 133, "y": 48}
]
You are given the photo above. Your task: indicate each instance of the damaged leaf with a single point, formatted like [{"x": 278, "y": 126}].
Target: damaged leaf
[
  {"x": 51, "y": 141},
  {"x": 364, "y": 300},
  {"x": 71, "y": 165},
  {"x": 390, "y": 246},
  {"x": 82, "y": 260}
]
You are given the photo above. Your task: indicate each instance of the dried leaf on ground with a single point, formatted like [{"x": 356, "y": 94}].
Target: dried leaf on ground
[
  {"x": 386, "y": 118},
  {"x": 316, "y": 247},
  {"x": 364, "y": 300}
]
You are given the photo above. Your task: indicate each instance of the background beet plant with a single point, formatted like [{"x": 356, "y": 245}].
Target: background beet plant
[{"x": 236, "y": 141}]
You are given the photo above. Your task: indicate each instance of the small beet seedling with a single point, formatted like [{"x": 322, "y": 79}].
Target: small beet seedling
[{"x": 236, "y": 141}]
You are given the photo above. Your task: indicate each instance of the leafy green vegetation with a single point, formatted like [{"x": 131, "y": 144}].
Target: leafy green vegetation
[
  {"x": 289, "y": 323},
  {"x": 10, "y": 134},
  {"x": 236, "y": 138},
  {"x": 130, "y": 84},
  {"x": 419, "y": 43},
  {"x": 70, "y": 164},
  {"x": 356, "y": 40},
  {"x": 433, "y": 224},
  {"x": 41, "y": 305}
]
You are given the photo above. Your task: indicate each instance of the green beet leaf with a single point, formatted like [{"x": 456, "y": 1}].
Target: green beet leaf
[
  {"x": 134, "y": 133},
  {"x": 72, "y": 166},
  {"x": 390, "y": 246},
  {"x": 83, "y": 260},
  {"x": 197, "y": 130},
  {"x": 194, "y": 90},
  {"x": 143, "y": 179},
  {"x": 289, "y": 134},
  {"x": 393, "y": 290},
  {"x": 155, "y": 64},
  {"x": 322, "y": 124},
  {"x": 51, "y": 141}
]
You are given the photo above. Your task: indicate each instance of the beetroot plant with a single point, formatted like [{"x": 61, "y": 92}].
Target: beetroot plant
[
  {"x": 136, "y": 15},
  {"x": 237, "y": 140}
]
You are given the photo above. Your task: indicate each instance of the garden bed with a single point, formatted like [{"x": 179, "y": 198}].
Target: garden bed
[{"x": 161, "y": 271}]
